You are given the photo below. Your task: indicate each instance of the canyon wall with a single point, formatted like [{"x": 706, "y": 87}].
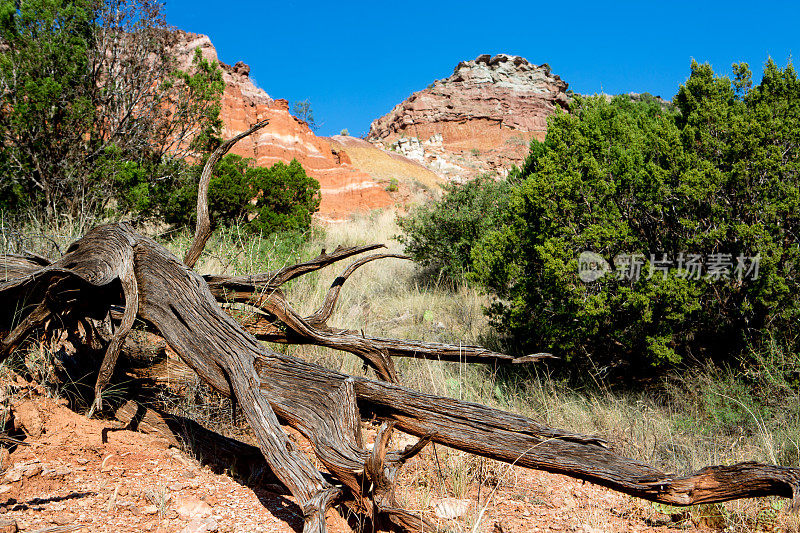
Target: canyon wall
[
  {"x": 480, "y": 119},
  {"x": 344, "y": 189}
]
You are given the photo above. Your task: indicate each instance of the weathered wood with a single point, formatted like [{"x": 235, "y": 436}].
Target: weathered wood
[
  {"x": 271, "y": 386},
  {"x": 113, "y": 268},
  {"x": 276, "y": 278},
  {"x": 130, "y": 291},
  {"x": 276, "y": 321},
  {"x": 203, "y": 227},
  {"x": 516, "y": 439}
]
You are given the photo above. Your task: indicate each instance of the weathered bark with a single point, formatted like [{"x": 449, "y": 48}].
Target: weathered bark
[
  {"x": 114, "y": 271},
  {"x": 320, "y": 403},
  {"x": 277, "y": 321},
  {"x": 203, "y": 228}
]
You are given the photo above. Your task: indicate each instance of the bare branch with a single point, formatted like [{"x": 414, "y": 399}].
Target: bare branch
[
  {"x": 203, "y": 229},
  {"x": 276, "y": 278},
  {"x": 321, "y": 316}
]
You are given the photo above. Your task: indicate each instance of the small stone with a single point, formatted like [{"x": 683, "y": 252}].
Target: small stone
[
  {"x": 449, "y": 508},
  {"x": 63, "y": 519},
  {"x": 81, "y": 460},
  {"x": 32, "y": 470},
  {"x": 201, "y": 525},
  {"x": 190, "y": 507},
  {"x": 149, "y": 509},
  {"x": 58, "y": 471},
  {"x": 5, "y": 488},
  {"x": 13, "y": 475},
  {"x": 188, "y": 473}
]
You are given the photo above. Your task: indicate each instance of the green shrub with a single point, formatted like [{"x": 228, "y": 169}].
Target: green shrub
[
  {"x": 718, "y": 174},
  {"x": 287, "y": 199},
  {"x": 441, "y": 236},
  {"x": 279, "y": 198}
]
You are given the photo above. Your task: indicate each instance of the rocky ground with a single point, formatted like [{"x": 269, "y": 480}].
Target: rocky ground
[{"x": 76, "y": 474}]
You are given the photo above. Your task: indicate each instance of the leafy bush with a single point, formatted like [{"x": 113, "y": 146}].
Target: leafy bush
[
  {"x": 715, "y": 177},
  {"x": 288, "y": 198},
  {"x": 86, "y": 80},
  {"x": 278, "y": 198},
  {"x": 441, "y": 236}
]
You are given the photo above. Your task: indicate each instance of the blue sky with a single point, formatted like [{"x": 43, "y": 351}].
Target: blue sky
[{"x": 354, "y": 61}]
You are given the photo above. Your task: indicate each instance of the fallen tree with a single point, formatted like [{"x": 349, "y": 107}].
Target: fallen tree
[{"x": 114, "y": 274}]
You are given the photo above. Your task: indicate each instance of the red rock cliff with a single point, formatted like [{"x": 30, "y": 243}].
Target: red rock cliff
[
  {"x": 479, "y": 119},
  {"x": 344, "y": 189}
]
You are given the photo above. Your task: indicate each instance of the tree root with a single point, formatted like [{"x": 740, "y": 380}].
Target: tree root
[
  {"x": 115, "y": 272},
  {"x": 326, "y": 406}
]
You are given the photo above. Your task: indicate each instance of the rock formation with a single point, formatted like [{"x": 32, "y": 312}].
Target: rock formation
[
  {"x": 478, "y": 120},
  {"x": 344, "y": 189},
  {"x": 407, "y": 180}
]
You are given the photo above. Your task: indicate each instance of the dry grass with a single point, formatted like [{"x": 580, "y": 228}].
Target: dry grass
[
  {"x": 384, "y": 166},
  {"x": 701, "y": 418}
]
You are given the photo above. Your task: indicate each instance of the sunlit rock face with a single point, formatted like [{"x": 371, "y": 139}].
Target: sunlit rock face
[
  {"x": 480, "y": 119},
  {"x": 344, "y": 189}
]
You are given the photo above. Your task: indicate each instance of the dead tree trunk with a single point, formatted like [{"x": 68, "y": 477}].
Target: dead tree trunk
[{"x": 114, "y": 267}]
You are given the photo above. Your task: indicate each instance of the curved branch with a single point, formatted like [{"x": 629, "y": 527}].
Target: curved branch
[
  {"x": 203, "y": 229},
  {"x": 313, "y": 329},
  {"x": 377, "y": 358},
  {"x": 276, "y": 278},
  {"x": 321, "y": 316},
  {"x": 266, "y": 326},
  {"x": 130, "y": 289}
]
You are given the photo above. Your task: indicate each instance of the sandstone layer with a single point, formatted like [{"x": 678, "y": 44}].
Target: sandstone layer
[
  {"x": 480, "y": 119},
  {"x": 407, "y": 181},
  {"x": 344, "y": 189}
]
